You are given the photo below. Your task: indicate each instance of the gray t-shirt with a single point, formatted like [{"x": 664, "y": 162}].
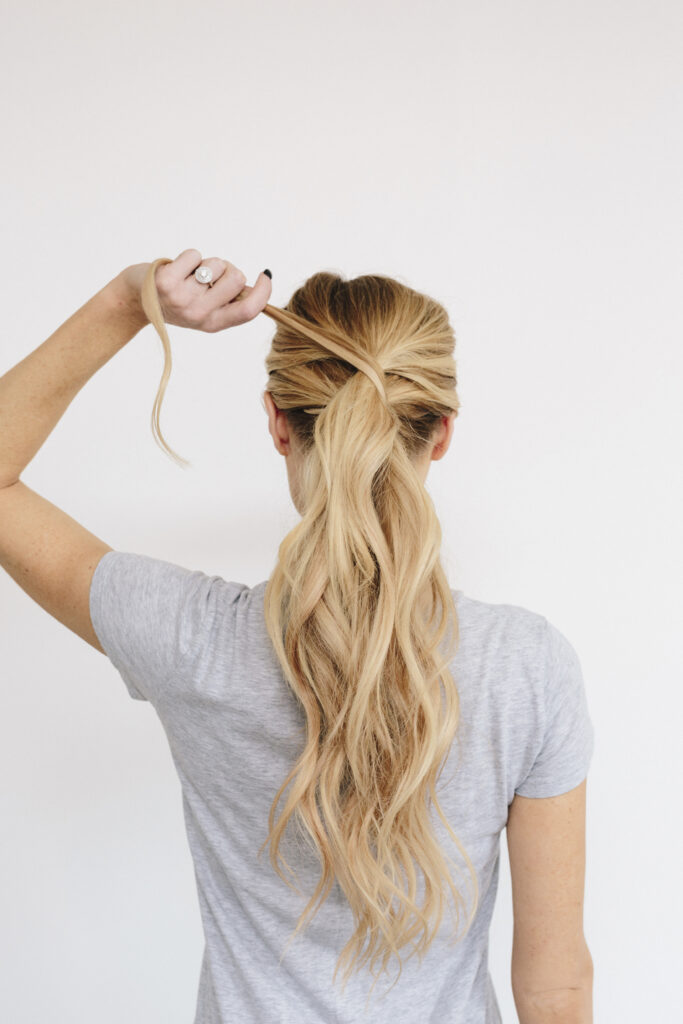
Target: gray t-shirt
[{"x": 196, "y": 647}]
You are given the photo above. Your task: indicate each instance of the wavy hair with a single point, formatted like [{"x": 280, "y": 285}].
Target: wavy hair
[{"x": 358, "y": 607}]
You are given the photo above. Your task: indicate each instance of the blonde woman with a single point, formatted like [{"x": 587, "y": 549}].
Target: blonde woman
[{"x": 371, "y": 728}]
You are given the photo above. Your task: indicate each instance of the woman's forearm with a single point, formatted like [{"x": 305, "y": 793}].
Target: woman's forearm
[{"x": 36, "y": 392}]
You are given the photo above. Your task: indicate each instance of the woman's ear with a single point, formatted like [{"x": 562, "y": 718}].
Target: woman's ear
[
  {"x": 277, "y": 425},
  {"x": 444, "y": 435}
]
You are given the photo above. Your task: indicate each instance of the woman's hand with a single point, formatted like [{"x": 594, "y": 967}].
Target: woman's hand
[{"x": 184, "y": 302}]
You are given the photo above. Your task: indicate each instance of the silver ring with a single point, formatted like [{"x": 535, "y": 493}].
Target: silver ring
[{"x": 204, "y": 275}]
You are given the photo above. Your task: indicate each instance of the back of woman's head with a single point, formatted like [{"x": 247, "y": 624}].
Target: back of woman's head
[
  {"x": 358, "y": 604},
  {"x": 358, "y": 607}
]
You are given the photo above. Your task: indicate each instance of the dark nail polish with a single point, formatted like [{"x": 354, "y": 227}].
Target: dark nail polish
[{"x": 269, "y": 274}]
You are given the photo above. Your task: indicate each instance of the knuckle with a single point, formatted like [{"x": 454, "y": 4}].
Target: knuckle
[
  {"x": 162, "y": 282},
  {"x": 237, "y": 276}
]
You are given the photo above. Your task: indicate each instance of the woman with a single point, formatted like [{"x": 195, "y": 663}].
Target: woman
[{"x": 371, "y": 725}]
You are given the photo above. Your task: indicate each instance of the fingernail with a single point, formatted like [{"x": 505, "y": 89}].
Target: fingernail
[{"x": 268, "y": 273}]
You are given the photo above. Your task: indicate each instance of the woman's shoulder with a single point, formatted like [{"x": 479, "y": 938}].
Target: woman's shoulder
[{"x": 507, "y": 616}]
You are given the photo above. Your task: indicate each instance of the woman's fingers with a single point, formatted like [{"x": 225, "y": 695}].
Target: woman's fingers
[
  {"x": 249, "y": 303},
  {"x": 227, "y": 302},
  {"x": 182, "y": 267},
  {"x": 228, "y": 281}
]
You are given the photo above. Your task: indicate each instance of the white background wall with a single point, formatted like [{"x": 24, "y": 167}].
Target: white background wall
[{"x": 519, "y": 161}]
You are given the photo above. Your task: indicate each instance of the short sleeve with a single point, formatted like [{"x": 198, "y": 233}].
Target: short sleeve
[
  {"x": 568, "y": 735},
  {"x": 148, "y": 614}
]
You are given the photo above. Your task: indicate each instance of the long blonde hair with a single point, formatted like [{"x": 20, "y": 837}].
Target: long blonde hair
[{"x": 358, "y": 605}]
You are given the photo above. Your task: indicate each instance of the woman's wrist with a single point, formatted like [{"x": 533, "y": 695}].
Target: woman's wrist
[{"x": 124, "y": 291}]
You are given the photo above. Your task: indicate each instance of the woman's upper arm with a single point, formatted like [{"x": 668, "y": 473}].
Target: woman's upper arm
[
  {"x": 51, "y": 556},
  {"x": 546, "y": 840}
]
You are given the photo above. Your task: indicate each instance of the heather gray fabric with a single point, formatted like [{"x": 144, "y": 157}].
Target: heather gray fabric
[{"x": 196, "y": 647}]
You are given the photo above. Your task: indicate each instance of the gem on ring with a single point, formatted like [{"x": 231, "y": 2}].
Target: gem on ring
[{"x": 204, "y": 275}]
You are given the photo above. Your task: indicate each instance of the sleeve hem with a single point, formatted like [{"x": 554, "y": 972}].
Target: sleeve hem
[{"x": 555, "y": 788}]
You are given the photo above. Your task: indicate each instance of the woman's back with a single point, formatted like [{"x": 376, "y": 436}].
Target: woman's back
[{"x": 198, "y": 649}]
